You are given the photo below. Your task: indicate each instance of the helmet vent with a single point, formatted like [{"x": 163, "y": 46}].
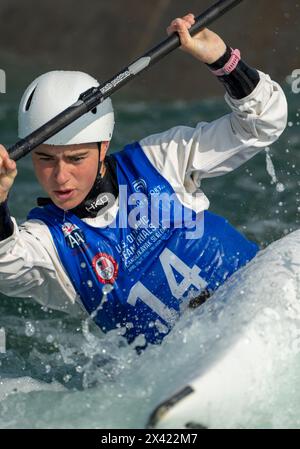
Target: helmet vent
[
  {"x": 94, "y": 111},
  {"x": 28, "y": 103}
]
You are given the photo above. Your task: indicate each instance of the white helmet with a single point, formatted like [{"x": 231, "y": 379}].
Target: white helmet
[{"x": 55, "y": 91}]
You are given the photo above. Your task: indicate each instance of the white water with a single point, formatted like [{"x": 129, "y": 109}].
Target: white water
[
  {"x": 271, "y": 171},
  {"x": 244, "y": 343},
  {"x": 249, "y": 370}
]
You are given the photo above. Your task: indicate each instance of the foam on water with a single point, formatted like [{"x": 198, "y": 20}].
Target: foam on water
[
  {"x": 244, "y": 344},
  {"x": 250, "y": 338},
  {"x": 25, "y": 385}
]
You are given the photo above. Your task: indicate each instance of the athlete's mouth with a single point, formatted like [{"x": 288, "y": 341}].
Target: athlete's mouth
[{"x": 64, "y": 194}]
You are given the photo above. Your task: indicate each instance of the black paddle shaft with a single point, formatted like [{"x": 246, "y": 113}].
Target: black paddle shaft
[{"x": 92, "y": 97}]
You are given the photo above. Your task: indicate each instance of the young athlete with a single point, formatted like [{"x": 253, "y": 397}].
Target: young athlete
[{"x": 129, "y": 237}]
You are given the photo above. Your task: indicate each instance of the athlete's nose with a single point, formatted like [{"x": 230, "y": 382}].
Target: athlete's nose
[{"x": 61, "y": 173}]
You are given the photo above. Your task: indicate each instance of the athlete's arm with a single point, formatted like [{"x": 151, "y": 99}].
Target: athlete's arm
[
  {"x": 30, "y": 268},
  {"x": 206, "y": 46},
  {"x": 8, "y": 172},
  {"x": 185, "y": 155}
]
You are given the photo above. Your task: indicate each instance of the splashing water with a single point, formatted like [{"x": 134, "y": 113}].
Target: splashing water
[
  {"x": 243, "y": 343},
  {"x": 271, "y": 170},
  {"x": 59, "y": 371}
]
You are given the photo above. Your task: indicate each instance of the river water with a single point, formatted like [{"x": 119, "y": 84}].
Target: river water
[{"x": 58, "y": 371}]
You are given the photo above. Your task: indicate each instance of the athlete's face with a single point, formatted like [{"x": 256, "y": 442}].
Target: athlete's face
[{"x": 67, "y": 172}]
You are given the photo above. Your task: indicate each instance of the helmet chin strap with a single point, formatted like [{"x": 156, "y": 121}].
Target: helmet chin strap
[
  {"x": 103, "y": 193},
  {"x": 100, "y": 164}
]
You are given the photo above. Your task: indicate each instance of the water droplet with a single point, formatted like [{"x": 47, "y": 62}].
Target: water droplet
[
  {"x": 67, "y": 378},
  {"x": 50, "y": 338},
  {"x": 83, "y": 265},
  {"x": 280, "y": 187},
  {"x": 29, "y": 329},
  {"x": 90, "y": 283},
  {"x": 107, "y": 289},
  {"x": 270, "y": 167},
  {"x": 79, "y": 369}
]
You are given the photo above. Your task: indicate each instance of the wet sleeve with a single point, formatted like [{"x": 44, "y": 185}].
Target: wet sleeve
[
  {"x": 30, "y": 268},
  {"x": 185, "y": 155}
]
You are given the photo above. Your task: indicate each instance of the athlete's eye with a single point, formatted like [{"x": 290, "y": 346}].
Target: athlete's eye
[
  {"x": 76, "y": 158},
  {"x": 45, "y": 158}
]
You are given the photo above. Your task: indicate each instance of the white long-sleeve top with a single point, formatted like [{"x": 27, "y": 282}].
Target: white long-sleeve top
[{"x": 29, "y": 262}]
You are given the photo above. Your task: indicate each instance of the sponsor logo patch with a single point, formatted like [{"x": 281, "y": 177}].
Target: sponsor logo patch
[
  {"x": 102, "y": 200},
  {"x": 106, "y": 268},
  {"x": 73, "y": 235},
  {"x": 140, "y": 185}
]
